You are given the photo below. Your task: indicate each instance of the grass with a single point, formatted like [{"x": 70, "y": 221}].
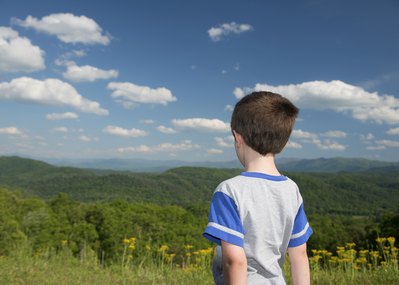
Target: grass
[{"x": 146, "y": 265}]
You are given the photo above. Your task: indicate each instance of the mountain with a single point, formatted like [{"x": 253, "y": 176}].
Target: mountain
[
  {"x": 339, "y": 193},
  {"x": 337, "y": 164},
  {"x": 141, "y": 165}
]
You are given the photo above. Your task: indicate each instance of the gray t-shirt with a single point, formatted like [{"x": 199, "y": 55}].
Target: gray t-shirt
[{"x": 264, "y": 215}]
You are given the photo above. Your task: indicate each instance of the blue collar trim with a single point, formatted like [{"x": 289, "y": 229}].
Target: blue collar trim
[{"x": 264, "y": 176}]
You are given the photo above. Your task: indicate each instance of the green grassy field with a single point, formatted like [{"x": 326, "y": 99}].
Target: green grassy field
[{"x": 156, "y": 266}]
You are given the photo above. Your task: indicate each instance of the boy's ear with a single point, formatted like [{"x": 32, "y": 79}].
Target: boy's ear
[{"x": 238, "y": 138}]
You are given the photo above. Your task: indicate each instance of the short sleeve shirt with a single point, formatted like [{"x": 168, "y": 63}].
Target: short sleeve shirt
[{"x": 263, "y": 214}]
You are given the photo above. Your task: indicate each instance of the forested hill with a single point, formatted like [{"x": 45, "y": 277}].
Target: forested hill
[{"x": 342, "y": 193}]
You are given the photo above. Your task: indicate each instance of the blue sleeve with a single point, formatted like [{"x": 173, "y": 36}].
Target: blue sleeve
[
  {"x": 302, "y": 230},
  {"x": 224, "y": 221}
]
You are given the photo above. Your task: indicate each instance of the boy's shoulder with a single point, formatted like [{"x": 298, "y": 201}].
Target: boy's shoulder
[{"x": 249, "y": 180}]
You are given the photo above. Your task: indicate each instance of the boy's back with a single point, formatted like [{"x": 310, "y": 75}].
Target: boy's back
[
  {"x": 266, "y": 206},
  {"x": 257, "y": 215}
]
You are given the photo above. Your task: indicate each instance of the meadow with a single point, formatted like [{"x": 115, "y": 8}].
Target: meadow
[{"x": 141, "y": 263}]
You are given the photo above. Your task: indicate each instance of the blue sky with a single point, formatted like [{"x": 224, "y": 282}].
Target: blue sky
[{"x": 158, "y": 79}]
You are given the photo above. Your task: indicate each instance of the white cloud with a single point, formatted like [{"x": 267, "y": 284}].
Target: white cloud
[
  {"x": 76, "y": 73},
  {"x": 214, "y": 150},
  {"x": 64, "y": 137},
  {"x": 331, "y": 145},
  {"x": 166, "y": 130},
  {"x": 117, "y": 131},
  {"x": 10, "y": 131},
  {"x": 216, "y": 33},
  {"x": 26, "y": 145},
  {"x": 338, "y": 96},
  {"x": 79, "y": 53},
  {"x": 237, "y": 67},
  {"x": 202, "y": 125},
  {"x": 334, "y": 134},
  {"x": 81, "y": 130},
  {"x": 376, "y": 147},
  {"x": 39, "y": 138},
  {"x": 42, "y": 143},
  {"x": 172, "y": 154},
  {"x": 224, "y": 71},
  {"x": 302, "y": 134},
  {"x": 388, "y": 143},
  {"x": 193, "y": 67},
  {"x": 165, "y": 147},
  {"x": 299, "y": 120},
  {"x": 393, "y": 131},
  {"x": 84, "y": 138},
  {"x": 146, "y": 121},
  {"x": 53, "y": 92},
  {"x": 59, "y": 144},
  {"x": 128, "y": 104},
  {"x": 67, "y": 27},
  {"x": 229, "y": 108},
  {"x": 368, "y": 137},
  {"x": 225, "y": 142},
  {"x": 60, "y": 129},
  {"x": 293, "y": 144},
  {"x": 67, "y": 115},
  {"x": 96, "y": 139},
  {"x": 18, "y": 54},
  {"x": 141, "y": 94}
]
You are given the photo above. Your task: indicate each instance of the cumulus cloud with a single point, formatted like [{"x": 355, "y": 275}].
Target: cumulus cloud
[
  {"x": 57, "y": 116},
  {"x": 328, "y": 144},
  {"x": 146, "y": 121},
  {"x": 376, "y": 147},
  {"x": 39, "y": 138},
  {"x": 26, "y": 145},
  {"x": 202, "y": 125},
  {"x": 216, "y": 33},
  {"x": 60, "y": 129},
  {"x": 237, "y": 67},
  {"x": 388, "y": 143},
  {"x": 214, "y": 150},
  {"x": 293, "y": 144},
  {"x": 96, "y": 139},
  {"x": 193, "y": 67},
  {"x": 67, "y": 27},
  {"x": 76, "y": 73},
  {"x": 334, "y": 134},
  {"x": 338, "y": 96},
  {"x": 368, "y": 137},
  {"x": 42, "y": 143},
  {"x": 53, "y": 92},
  {"x": 10, "y": 131},
  {"x": 84, "y": 138},
  {"x": 301, "y": 134},
  {"x": 117, "y": 131},
  {"x": 225, "y": 142},
  {"x": 224, "y": 71},
  {"x": 165, "y": 147},
  {"x": 18, "y": 54},
  {"x": 166, "y": 130},
  {"x": 229, "y": 108},
  {"x": 313, "y": 138},
  {"x": 141, "y": 94},
  {"x": 393, "y": 131},
  {"x": 81, "y": 130}
]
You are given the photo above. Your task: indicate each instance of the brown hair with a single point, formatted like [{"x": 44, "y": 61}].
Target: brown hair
[{"x": 265, "y": 121}]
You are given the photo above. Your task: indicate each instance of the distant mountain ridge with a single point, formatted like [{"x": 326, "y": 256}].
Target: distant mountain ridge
[
  {"x": 338, "y": 164},
  {"x": 326, "y": 165}
]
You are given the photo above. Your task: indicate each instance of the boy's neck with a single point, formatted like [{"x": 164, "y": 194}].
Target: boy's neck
[{"x": 254, "y": 162}]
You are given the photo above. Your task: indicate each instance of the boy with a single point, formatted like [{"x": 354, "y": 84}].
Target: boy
[{"x": 256, "y": 216}]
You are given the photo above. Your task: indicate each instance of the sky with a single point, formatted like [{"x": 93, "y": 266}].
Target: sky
[{"x": 159, "y": 79}]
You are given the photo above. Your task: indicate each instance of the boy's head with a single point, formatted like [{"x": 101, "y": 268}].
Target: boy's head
[{"x": 265, "y": 121}]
